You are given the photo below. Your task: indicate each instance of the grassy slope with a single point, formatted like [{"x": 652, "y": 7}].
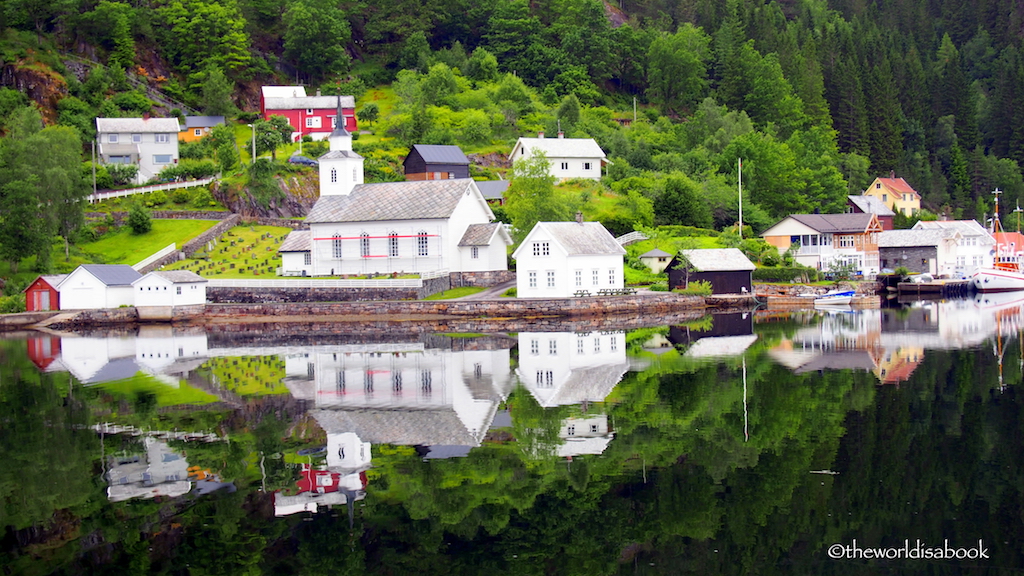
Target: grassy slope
[
  {"x": 242, "y": 252},
  {"x": 123, "y": 247}
]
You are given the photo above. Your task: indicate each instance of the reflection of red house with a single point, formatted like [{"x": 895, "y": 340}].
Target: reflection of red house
[
  {"x": 43, "y": 350},
  {"x": 42, "y": 295}
]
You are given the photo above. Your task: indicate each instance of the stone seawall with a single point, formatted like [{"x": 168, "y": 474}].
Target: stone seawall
[
  {"x": 241, "y": 295},
  {"x": 485, "y": 279}
]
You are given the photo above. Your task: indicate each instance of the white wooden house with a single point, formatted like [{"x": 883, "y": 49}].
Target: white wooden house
[
  {"x": 150, "y": 143},
  {"x": 170, "y": 288},
  {"x": 94, "y": 286},
  {"x": 569, "y": 157},
  {"x": 558, "y": 259},
  {"x": 974, "y": 249}
]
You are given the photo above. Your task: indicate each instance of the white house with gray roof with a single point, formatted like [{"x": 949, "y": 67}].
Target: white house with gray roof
[
  {"x": 170, "y": 288},
  {"x": 568, "y": 157},
  {"x": 94, "y": 286},
  {"x": 975, "y": 248},
  {"x": 150, "y": 143},
  {"x": 557, "y": 259}
]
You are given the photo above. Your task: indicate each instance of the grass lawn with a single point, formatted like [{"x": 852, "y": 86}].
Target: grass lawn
[
  {"x": 123, "y": 247},
  {"x": 242, "y": 252},
  {"x": 455, "y": 293}
]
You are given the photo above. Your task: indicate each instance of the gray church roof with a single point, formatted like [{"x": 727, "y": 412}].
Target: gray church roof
[
  {"x": 297, "y": 241},
  {"x": 479, "y": 234},
  {"x": 422, "y": 199}
]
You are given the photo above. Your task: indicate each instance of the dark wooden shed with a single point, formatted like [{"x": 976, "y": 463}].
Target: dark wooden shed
[
  {"x": 727, "y": 269},
  {"x": 435, "y": 162}
]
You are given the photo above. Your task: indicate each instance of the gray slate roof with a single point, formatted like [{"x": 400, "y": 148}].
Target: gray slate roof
[
  {"x": 136, "y": 125},
  {"x": 581, "y": 239},
  {"x": 440, "y": 154},
  {"x": 590, "y": 384},
  {"x": 113, "y": 274},
  {"x": 908, "y": 238},
  {"x": 203, "y": 121},
  {"x": 871, "y": 204},
  {"x": 479, "y": 234},
  {"x": 423, "y": 199},
  {"x": 717, "y": 259},
  {"x": 834, "y": 223},
  {"x": 297, "y": 241},
  {"x": 492, "y": 189},
  {"x": 966, "y": 227},
  {"x": 302, "y": 102},
  {"x": 180, "y": 276}
]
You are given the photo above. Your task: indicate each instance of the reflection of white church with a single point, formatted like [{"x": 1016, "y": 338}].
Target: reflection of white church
[
  {"x": 574, "y": 368},
  {"x": 402, "y": 393}
]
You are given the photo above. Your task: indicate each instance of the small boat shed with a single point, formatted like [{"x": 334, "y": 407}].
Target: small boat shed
[{"x": 727, "y": 269}]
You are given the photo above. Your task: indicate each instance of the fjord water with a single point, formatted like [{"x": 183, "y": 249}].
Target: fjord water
[{"x": 733, "y": 444}]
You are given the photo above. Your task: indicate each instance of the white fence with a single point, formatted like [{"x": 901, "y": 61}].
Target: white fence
[
  {"x": 627, "y": 239},
  {"x": 153, "y": 188},
  {"x": 170, "y": 248},
  {"x": 315, "y": 283}
]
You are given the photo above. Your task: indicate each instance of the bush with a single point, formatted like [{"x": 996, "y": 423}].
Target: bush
[
  {"x": 659, "y": 287},
  {"x": 202, "y": 199},
  {"x": 158, "y": 198},
  {"x": 181, "y": 195},
  {"x": 696, "y": 288},
  {"x": 786, "y": 274},
  {"x": 12, "y": 304},
  {"x": 139, "y": 220},
  {"x": 123, "y": 173}
]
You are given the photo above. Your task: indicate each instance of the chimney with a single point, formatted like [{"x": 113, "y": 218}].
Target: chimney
[
  {"x": 145, "y": 115},
  {"x": 540, "y": 134},
  {"x": 561, "y": 134},
  {"x": 579, "y": 218},
  {"x": 892, "y": 173},
  {"x": 318, "y": 92}
]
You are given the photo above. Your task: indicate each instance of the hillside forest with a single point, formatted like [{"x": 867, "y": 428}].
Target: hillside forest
[{"x": 816, "y": 98}]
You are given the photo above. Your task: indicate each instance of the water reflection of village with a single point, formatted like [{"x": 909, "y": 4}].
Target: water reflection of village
[
  {"x": 445, "y": 396},
  {"x": 892, "y": 342}
]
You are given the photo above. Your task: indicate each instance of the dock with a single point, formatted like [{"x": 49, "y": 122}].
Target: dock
[{"x": 935, "y": 288}]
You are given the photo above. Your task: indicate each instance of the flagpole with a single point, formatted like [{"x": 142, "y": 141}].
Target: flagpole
[{"x": 740, "y": 162}]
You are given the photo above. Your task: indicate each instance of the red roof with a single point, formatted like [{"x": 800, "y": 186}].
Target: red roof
[{"x": 899, "y": 185}]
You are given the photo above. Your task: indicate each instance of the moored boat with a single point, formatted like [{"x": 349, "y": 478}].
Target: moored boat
[
  {"x": 843, "y": 298},
  {"x": 1007, "y": 271}
]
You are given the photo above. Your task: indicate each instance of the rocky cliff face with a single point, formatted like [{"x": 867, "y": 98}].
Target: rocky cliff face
[
  {"x": 39, "y": 82},
  {"x": 300, "y": 192}
]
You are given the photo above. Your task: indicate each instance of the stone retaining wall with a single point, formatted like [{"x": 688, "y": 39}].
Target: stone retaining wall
[
  {"x": 283, "y": 222},
  {"x": 239, "y": 295},
  {"x": 486, "y": 279},
  {"x": 196, "y": 244}
]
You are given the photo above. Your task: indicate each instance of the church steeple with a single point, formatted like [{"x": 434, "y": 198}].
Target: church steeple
[{"x": 341, "y": 168}]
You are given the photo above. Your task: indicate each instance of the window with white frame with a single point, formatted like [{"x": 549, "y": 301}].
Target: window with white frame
[
  {"x": 611, "y": 276},
  {"x": 334, "y": 175},
  {"x": 586, "y": 165},
  {"x": 197, "y": 132},
  {"x": 597, "y": 345},
  {"x": 474, "y": 252},
  {"x": 571, "y": 430},
  {"x": 534, "y": 347},
  {"x": 541, "y": 249},
  {"x": 846, "y": 241},
  {"x": 552, "y": 347},
  {"x": 334, "y": 121},
  {"x": 336, "y": 246},
  {"x": 364, "y": 245},
  {"x": 614, "y": 344},
  {"x": 595, "y": 277},
  {"x": 161, "y": 159},
  {"x": 163, "y": 138},
  {"x": 422, "y": 248},
  {"x": 579, "y": 278},
  {"x": 179, "y": 290},
  {"x": 393, "y": 244},
  {"x": 532, "y": 276},
  {"x": 309, "y": 110},
  {"x": 307, "y": 258},
  {"x": 136, "y": 138},
  {"x": 565, "y": 165},
  {"x": 551, "y": 278},
  {"x": 112, "y": 138},
  {"x": 579, "y": 346}
]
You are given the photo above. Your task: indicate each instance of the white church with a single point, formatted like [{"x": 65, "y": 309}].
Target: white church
[{"x": 392, "y": 227}]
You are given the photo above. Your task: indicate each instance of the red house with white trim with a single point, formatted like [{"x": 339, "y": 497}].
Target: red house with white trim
[
  {"x": 315, "y": 116},
  {"x": 41, "y": 295}
]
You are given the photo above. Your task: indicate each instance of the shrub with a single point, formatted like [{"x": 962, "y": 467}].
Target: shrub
[
  {"x": 659, "y": 287},
  {"x": 786, "y": 274},
  {"x": 158, "y": 198},
  {"x": 202, "y": 199},
  {"x": 696, "y": 288},
  {"x": 139, "y": 220},
  {"x": 181, "y": 195},
  {"x": 511, "y": 293},
  {"x": 12, "y": 304},
  {"x": 123, "y": 173}
]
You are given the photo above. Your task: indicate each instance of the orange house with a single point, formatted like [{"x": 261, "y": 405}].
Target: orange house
[{"x": 198, "y": 126}]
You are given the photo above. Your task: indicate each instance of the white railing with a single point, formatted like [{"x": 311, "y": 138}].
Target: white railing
[
  {"x": 152, "y": 188},
  {"x": 630, "y": 238},
  {"x": 170, "y": 248}
]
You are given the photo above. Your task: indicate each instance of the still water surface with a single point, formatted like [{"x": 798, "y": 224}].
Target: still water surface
[{"x": 765, "y": 442}]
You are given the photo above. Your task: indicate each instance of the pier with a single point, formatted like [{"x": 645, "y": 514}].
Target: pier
[{"x": 936, "y": 288}]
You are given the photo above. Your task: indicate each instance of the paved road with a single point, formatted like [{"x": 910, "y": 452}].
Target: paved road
[{"x": 491, "y": 293}]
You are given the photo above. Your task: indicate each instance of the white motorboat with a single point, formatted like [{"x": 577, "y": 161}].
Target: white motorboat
[{"x": 843, "y": 298}]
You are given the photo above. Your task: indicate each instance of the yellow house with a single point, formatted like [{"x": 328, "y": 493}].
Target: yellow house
[
  {"x": 896, "y": 194},
  {"x": 198, "y": 126}
]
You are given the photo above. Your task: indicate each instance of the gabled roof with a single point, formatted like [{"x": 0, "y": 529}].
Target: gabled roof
[
  {"x": 898, "y": 185},
  {"x": 52, "y": 279},
  {"x": 136, "y": 125},
  {"x": 966, "y": 227},
  {"x": 917, "y": 237},
  {"x": 481, "y": 234},
  {"x": 439, "y": 154},
  {"x": 560, "y": 147},
  {"x": 439, "y": 426},
  {"x": 339, "y": 153},
  {"x": 835, "y": 223},
  {"x": 492, "y": 189},
  {"x": 176, "y": 276},
  {"x": 656, "y": 253},
  {"x": 112, "y": 274},
  {"x": 305, "y": 102},
  {"x": 283, "y": 91},
  {"x": 203, "y": 121},
  {"x": 297, "y": 241},
  {"x": 871, "y": 204},
  {"x": 422, "y": 199},
  {"x": 577, "y": 238},
  {"x": 717, "y": 259}
]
